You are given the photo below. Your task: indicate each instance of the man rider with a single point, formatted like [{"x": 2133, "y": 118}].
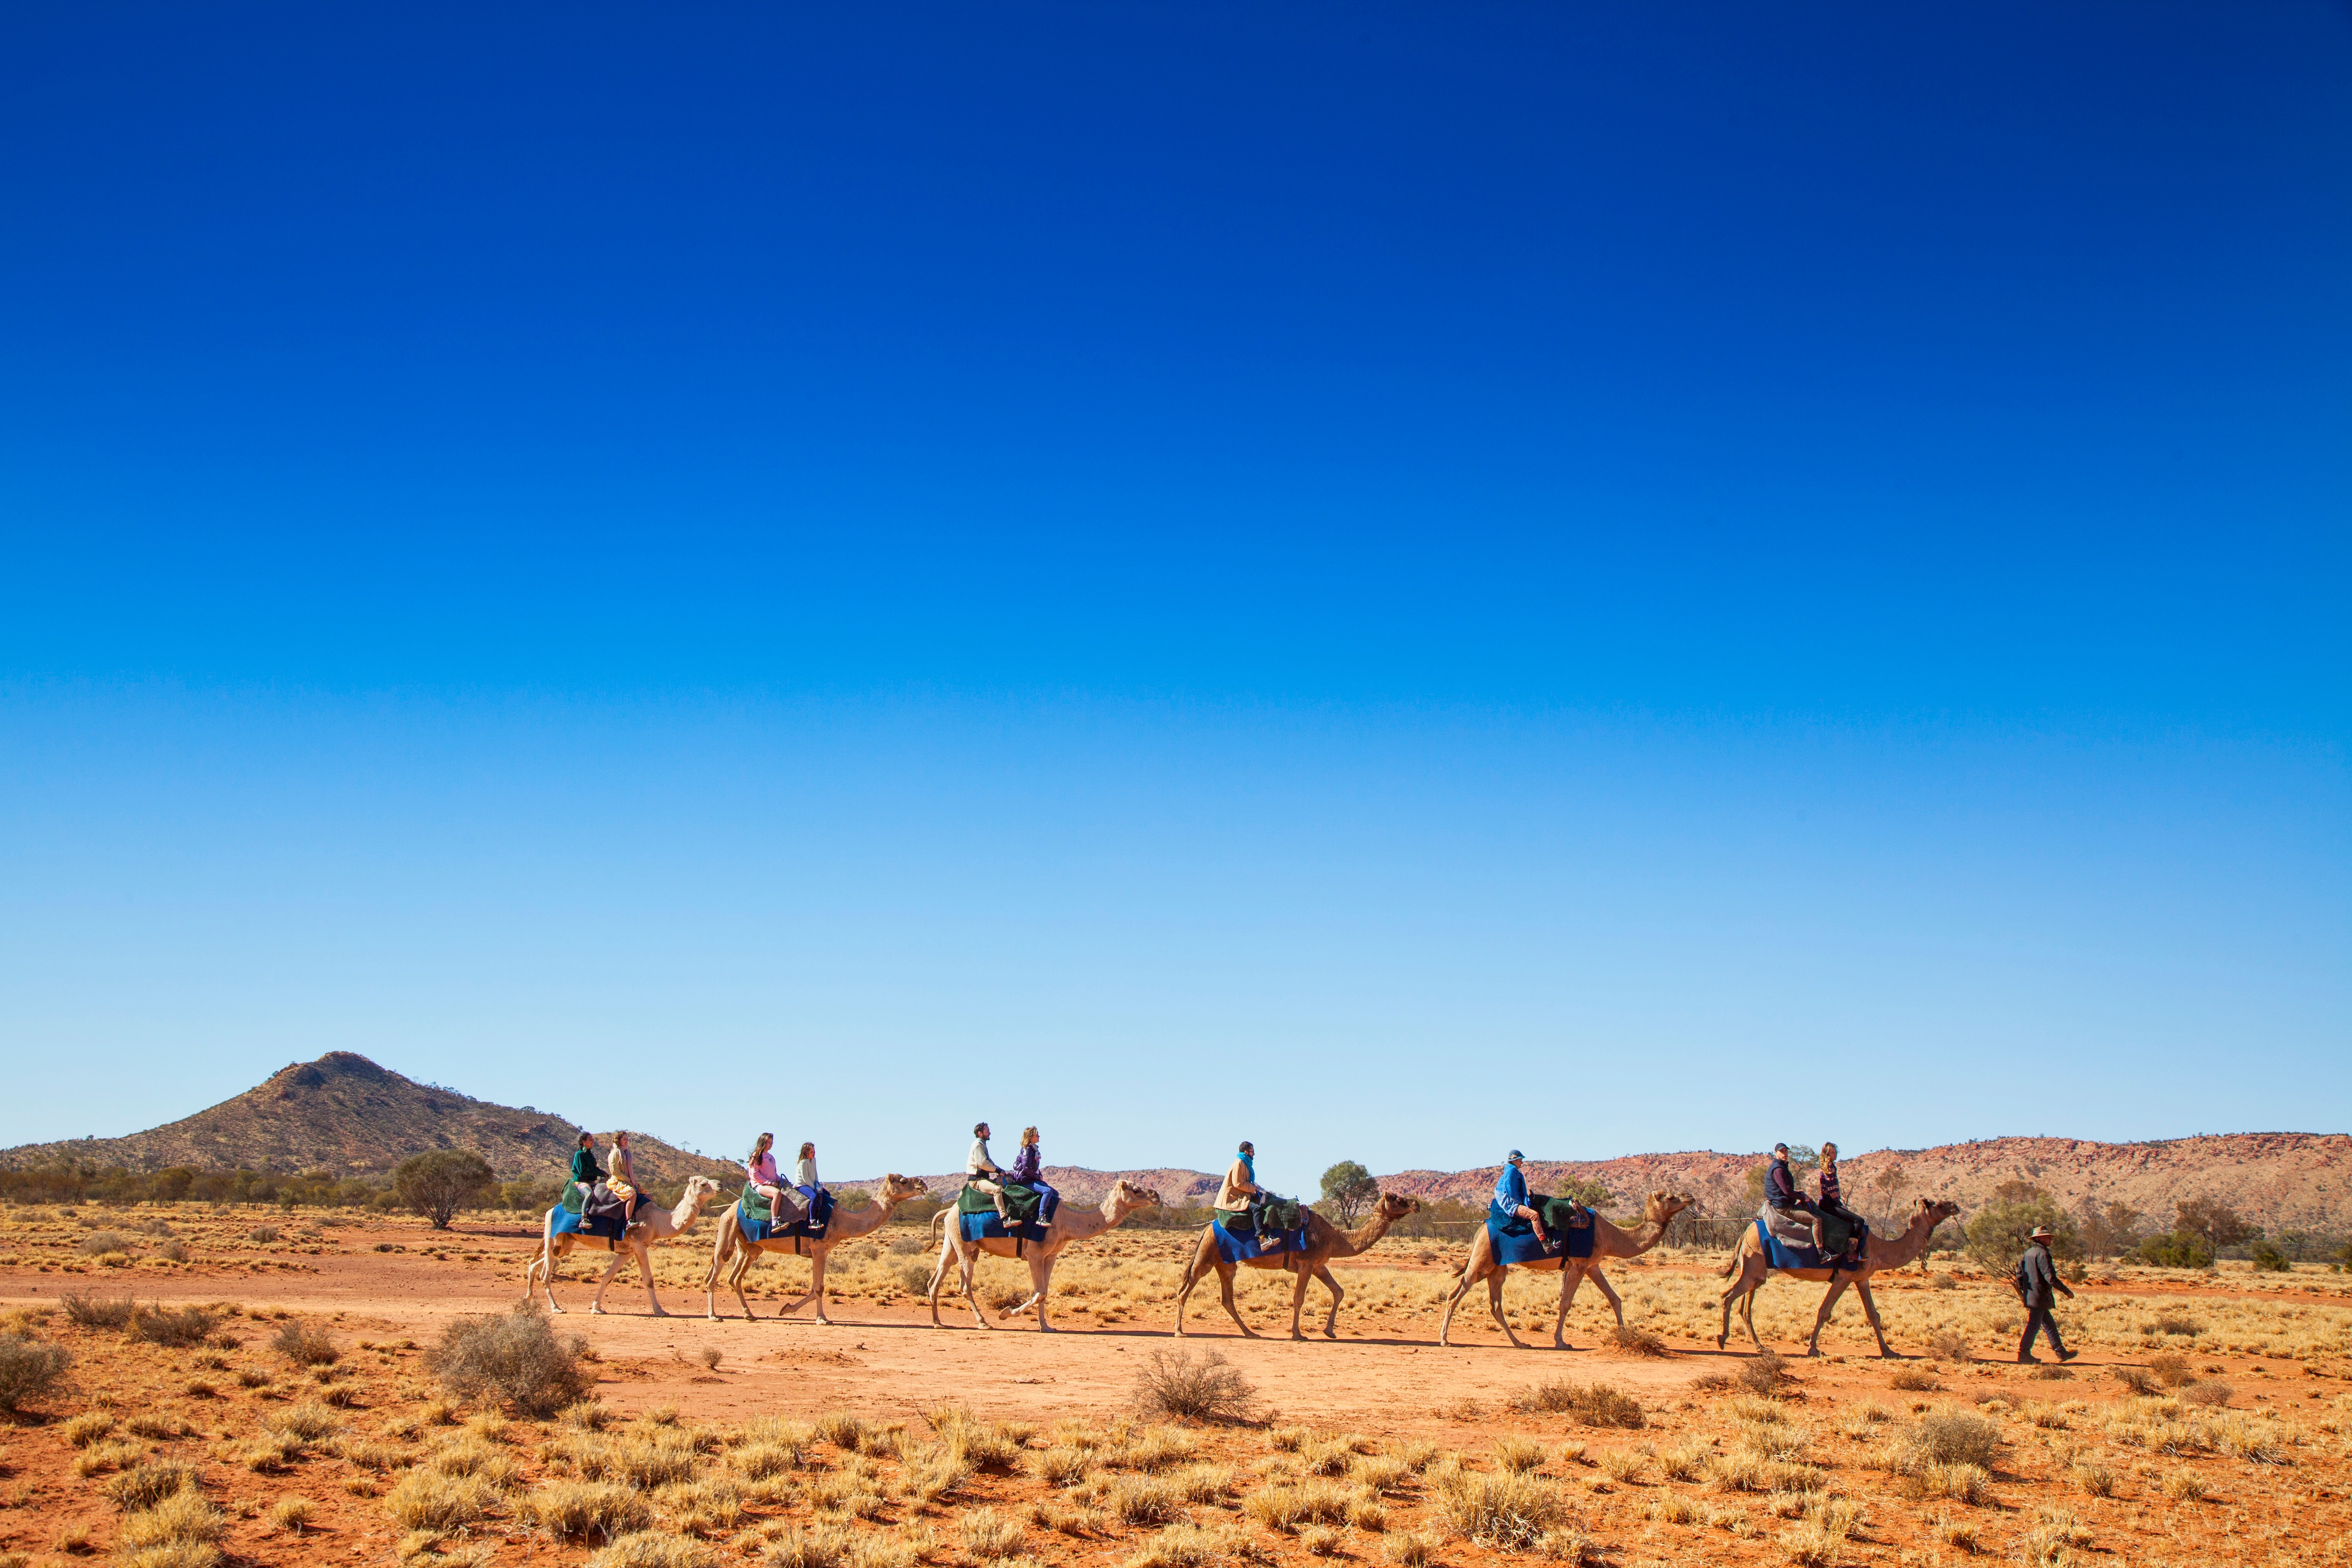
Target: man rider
[
  {"x": 1511, "y": 1198},
  {"x": 1241, "y": 1190},
  {"x": 978, "y": 1167}
]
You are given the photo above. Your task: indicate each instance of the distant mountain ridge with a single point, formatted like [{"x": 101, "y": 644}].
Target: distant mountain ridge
[{"x": 344, "y": 1114}]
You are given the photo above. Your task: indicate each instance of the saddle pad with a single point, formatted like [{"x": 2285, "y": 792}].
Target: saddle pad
[
  {"x": 986, "y": 1226},
  {"x": 751, "y": 1205},
  {"x": 1239, "y": 1245},
  {"x": 1523, "y": 1246},
  {"x": 564, "y": 1222},
  {"x": 1022, "y": 1200},
  {"x": 1779, "y": 1254}
]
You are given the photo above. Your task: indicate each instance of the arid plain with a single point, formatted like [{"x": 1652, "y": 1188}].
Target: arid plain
[{"x": 2206, "y": 1421}]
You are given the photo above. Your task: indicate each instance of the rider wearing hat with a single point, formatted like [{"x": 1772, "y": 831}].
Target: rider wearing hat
[
  {"x": 1511, "y": 1196},
  {"x": 2037, "y": 1277}
]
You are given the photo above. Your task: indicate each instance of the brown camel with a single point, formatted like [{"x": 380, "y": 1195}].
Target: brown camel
[
  {"x": 848, "y": 1226},
  {"x": 1072, "y": 1222},
  {"x": 1325, "y": 1241},
  {"x": 658, "y": 1225},
  {"x": 1608, "y": 1242},
  {"x": 1879, "y": 1252}
]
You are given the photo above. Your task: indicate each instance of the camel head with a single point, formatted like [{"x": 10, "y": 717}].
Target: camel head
[
  {"x": 1125, "y": 1197},
  {"x": 1933, "y": 1212},
  {"x": 1394, "y": 1206},
  {"x": 897, "y": 1189},
  {"x": 1663, "y": 1205},
  {"x": 699, "y": 1190}
]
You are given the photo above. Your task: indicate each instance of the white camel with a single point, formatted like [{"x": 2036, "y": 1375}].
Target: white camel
[
  {"x": 655, "y": 1225},
  {"x": 847, "y": 1225},
  {"x": 1072, "y": 1222}
]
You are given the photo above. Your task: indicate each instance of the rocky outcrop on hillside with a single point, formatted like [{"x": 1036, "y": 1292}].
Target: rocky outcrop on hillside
[{"x": 345, "y": 1115}]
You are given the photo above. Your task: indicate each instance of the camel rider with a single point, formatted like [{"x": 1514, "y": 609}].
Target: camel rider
[
  {"x": 804, "y": 1175},
  {"x": 1241, "y": 1190},
  {"x": 1832, "y": 1203},
  {"x": 1781, "y": 1185},
  {"x": 979, "y": 1167},
  {"x": 1029, "y": 1170},
  {"x": 622, "y": 1180},
  {"x": 2036, "y": 1278},
  {"x": 762, "y": 1168},
  {"x": 1511, "y": 1198},
  {"x": 585, "y": 1172}
]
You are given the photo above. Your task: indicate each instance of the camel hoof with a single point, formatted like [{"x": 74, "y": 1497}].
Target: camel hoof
[{"x": 1045, "y": 1329}]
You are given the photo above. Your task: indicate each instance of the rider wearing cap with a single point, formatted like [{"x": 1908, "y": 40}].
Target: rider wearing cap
[{"x": 1511, "y": 1195}]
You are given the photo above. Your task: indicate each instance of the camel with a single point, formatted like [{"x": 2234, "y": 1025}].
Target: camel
[
  {"x": 1325, "y": 1241},
  {"x": 1072, "y": 1222},
  {"x": 847, "y": 1225},
  {"x": 1608, "y": 1241},
  {"x": 659, "y": 1225},
  {"x": 1879, "y": 1252}
]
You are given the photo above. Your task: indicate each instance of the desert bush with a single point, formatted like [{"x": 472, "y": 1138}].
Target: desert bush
[
  {"x": 2095, "y": 1479},
  {"x": 1192, "y": 1546},
  {"x": 1590, "y": 1404},
  {"x": 653, "y": 1549},
  {"x": 99, "y": 1243},
  {"x": 1062, "y": 1466},
  {"x": 1998, "y": 1232},
  {"x": 427, "y": 1500},
  {"x": 587, "y": 1511},
  {"x": 308, "y": 1421},
  {"x": 1962, "y": 1482},
  {"x": 1949, "y": 1344},
  {"x": 1914, "y": 1379},
  {"x": 2269, "y": 1259},
  {"x": 305, "y": 1343},
  {"x": 515, "y": 1358},
  {"x": 1197, "y": 1385},
  {"x": 989, "y": 1536},
  {"x": 1287, "y": 1508},
  {"x": 2174, "y": 1249},
  {"x": 1952, "y": 1437},
  {"x": 1764, "y": 1373},
  {"x": 1506, "y": 1513},
  {"x": 1145, "y": 1499},
  {"x": 292, "y": 1515},
  {"x": 177, "y": 1251},
  {"x": 1409, "y": 1549},
  {"x": 150, "y": 1484},
  {"x": 262, "y": 1233},
  {"x": 1518, "y": 1455},
  {"x": 2183, "y": 1486},
  {"x": 87, "y": 1428},
  {"x": 90, "y": 1311},
  {"x": 818, "y": 1546},
  {"x": 2138, "y": 1379},
  {"x": 2172, "y": 1323},
  {"x": 180, "y": 1530},
  {"x": 1638, "y": 1342},
  {"x": 181, "y": 1329},
  {"x": 2207, "y": 1393},
  {"x": 2171, "y": 1369},
  {"x": 29, "y": 1368}
]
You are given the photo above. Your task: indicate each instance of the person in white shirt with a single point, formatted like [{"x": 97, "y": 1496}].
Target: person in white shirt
[
  {"x": 978, "y": 1167},
  {"x": 804, "y": 1171}
]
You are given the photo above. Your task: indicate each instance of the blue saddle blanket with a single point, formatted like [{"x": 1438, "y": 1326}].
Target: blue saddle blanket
[
  {"x": 1518, "y": 1243},
  {"x": 1779, "y": 1254},
  {"x": 758, "y": 1229},
  {"x": 567, "y": 1222},
  {"x": 985, "y": 1226},
  {"x": 1239, "y": 1246}
]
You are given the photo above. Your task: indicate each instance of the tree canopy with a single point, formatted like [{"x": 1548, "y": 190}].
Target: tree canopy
[
  {"x": 1348, "y": 1190},
  {"x": 437, "y": 1185}
]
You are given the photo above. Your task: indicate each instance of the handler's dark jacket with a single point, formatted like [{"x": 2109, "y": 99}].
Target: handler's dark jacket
[{"x": 2037, "y": 1277}]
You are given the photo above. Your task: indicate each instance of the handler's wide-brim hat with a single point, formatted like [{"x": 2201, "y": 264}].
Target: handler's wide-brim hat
[{"x": 2041, "y": 1233}]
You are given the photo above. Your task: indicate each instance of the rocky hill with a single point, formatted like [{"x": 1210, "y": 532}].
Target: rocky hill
[
  {"x": 345, "y": 1115},
  {"x": 2278, "y": 1180}
]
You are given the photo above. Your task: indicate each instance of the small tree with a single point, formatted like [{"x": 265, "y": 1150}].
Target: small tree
[
  {"x": 1582, "y": 1190},
  {"x": 1349, "y": 1190},
  {"x": 2109, "y": 1230},
  {"x": 2217, "y": 1225},
  {"x": 438, "y": 1184},
  {"x": 1890, "y": 1184},
  {"x": 2000, "y": 1232}
]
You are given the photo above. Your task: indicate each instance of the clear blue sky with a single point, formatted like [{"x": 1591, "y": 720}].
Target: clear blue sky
[{"x": 1394, "y": 579}]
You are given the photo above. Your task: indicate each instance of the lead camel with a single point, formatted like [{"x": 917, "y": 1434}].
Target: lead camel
[{"x": 1747, "y": 1260}]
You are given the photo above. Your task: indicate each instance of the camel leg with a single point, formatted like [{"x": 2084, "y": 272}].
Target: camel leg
[
  {"x": 1298, "y": 1297},
  {"x": 1829, "y": 1305},
  {"x": 722, "y": 1252},
  {"x": 744, "y": 1260},
  {"x": 1870, "y": 1310},
  {"x": 646, "y": 1266},
  {"x": 1570, "y": 1277},
  {"x": 1601, "y": 1281},
  {"x": 1741, "y": 1288},
  {"x": 597, "y": 1306},
  {"x": 1331, "y": 1323},
  {"x": 938, "y": 1277},
  {"x": 1184, "y": 1290},
  {"x": 817, "y": 1283},
  {"x": 1460, "y": 1289},
  {"x": 1748, "y": 1315},
  {"x": 1225, "y": 1288},
  {"x": 971, "y": 1293},
  {"x": 1041, "y": 1277},
  {"x": 1494, "y": 1305}
]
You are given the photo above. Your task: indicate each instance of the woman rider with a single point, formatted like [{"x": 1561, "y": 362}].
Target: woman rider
[
  {"x": 762, "y": 1168},
  {"x": 1830, "y": 1204},
  {"x": 585, "y": 1172},
  {"x": 804, "y": 1175},
  {"x": 621, "y": 1181},
  {"x": 1028, "y": 1169}
]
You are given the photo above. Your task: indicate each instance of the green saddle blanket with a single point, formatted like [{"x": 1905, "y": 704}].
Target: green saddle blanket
[
  {"x": 754, "y": 1205},
  {"x": 1564, "y": 1214},
  {"x": 1839, "y": 1233},
  {"x": 1021, "y": 1201},
  {"x": 1276, "y": 1216}
]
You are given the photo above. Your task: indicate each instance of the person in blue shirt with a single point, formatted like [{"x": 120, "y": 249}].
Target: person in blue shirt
[{"x": 1511, "y": 1196}]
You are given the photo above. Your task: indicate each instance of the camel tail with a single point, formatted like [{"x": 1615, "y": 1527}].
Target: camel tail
[{"x": 1730, "y": 1266}]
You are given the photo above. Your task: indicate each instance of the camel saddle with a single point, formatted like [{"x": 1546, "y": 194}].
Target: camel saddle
[{"x": 1021, "y": 1201}]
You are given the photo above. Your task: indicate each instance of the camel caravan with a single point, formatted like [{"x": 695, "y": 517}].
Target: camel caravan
[{"x": 1013, "y": 1212}]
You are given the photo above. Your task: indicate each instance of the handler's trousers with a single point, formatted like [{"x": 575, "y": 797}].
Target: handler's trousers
[{"x": 2038, "y": 1321}]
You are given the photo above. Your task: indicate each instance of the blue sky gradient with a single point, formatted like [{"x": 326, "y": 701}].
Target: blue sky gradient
[{"x": 1046, "y": 562}]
